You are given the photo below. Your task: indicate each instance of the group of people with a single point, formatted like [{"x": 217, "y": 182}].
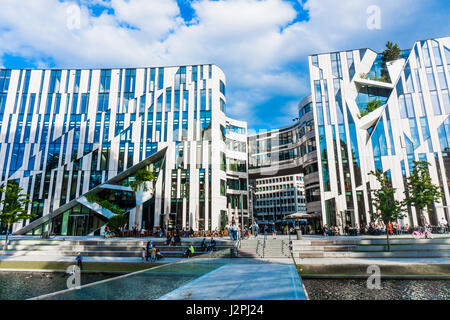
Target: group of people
[
  {"x": 189, "y": 252},
  {"x": 211, "y": 247},
  {"x": 236, "y": 232},
  {"x": 348, "y": 230},
  {"x": 173, "y": 238},
  {"x": 380, "y": 228},
  {"x": 151, "y": 252}
]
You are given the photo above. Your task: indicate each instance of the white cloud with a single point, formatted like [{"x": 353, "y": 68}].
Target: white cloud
[
  {"x": 157, "y": 18},
  {"x": 258, "y": 44}
]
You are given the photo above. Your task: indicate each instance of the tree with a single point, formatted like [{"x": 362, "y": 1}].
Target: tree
[
  {"x": 371, "y": 106},
  {"x": 387, "y": 209},
  {"x": 142, "y": 176},
  {"x": 139, "y": 186},
  {"x": 391, "y": 53},
  {"x": 14, "y": 207},
  {"x": 420, "y": 192},
  {"x": 117, "y": 222}
]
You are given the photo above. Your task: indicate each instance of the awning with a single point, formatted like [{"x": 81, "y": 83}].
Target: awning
[{"x": 299, "y": 215}]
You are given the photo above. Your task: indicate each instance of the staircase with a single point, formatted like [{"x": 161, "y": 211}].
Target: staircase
[
  {"x": 371, "y": 248},
  {"x": 100, "y": 248},
  {"x": 251, "y": 248},
  {"x": 271, "y": 248},
  {"x": 276, "y": 248},
  {"x": 322, "y": 248}
]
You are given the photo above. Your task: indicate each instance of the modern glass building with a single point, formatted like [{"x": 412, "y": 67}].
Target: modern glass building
[
  {"x": 411, "y": 123},
  {"x": 283, "y": 170},
  {"x": 74, "y": 140}
]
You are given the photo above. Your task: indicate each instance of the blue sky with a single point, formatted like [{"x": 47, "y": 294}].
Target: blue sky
[{"x": 262, "y": 45}]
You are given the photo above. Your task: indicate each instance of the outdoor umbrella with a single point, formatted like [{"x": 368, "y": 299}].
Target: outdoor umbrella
[
  {"x": 299, "y": 215},
  {"x": 230, "y": 215}
]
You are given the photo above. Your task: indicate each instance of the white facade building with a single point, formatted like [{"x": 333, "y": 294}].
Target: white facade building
[
  {"x": 411, "y": 123},
  {"x": 67, "y": 135}
]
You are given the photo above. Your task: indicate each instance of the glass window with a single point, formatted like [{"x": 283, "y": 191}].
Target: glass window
[
  {"x": 441, "y": 77},
  {"x": 437, "y": 53},
  {"x": 446, "y": 99},
  {"x": 222, "y": 87},
  {"x": 426, "y": 54},
  {"x": 431, "y": 81},
  {"x": 435, "y": 103}
]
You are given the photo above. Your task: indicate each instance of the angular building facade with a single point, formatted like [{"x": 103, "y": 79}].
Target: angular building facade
[
  {"x": 75, "y": 139},
  {"x": 411, "y": 123}
]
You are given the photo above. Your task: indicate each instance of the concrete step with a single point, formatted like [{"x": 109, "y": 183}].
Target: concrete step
[
  {"x": 94, "y": 253},
  {"x": 325, "y": 248},
  {"x": 322, "y": 242},
  {"x": 405, "y": 247},
  {"x": 248, "y": 255},
  {"x": 43, "y": 249},
  {"x": 311, "y": 254},
  {"x": 132, "y": 243},
  {"x": 402, "y": 254},
  {"x": 407, "y": 241}
]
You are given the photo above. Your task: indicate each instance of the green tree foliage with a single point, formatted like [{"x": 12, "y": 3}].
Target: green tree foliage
[
  {"x": 117, "y": 222},
  {"x": 392, "y": 52},
  {"x": 371, "y": 106},
  {"x": 14, "y": 206},
  {"x": 104, "y": 203},
  {"x": 420, "y": 192},
  {"x": 387, "y": 209},
  {"x": 142, "y": 176}
]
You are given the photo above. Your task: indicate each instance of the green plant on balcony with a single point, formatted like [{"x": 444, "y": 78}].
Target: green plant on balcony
[
  {"x": 94, "y": 198},
  {"x": 382, "y": 78},
  {"x": 111, "y": 206},
  {"x": 142, "y": 177},
  {"x": 371, "y": 106}
]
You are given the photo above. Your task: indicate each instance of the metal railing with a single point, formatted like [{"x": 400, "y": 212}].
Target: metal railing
[
  {"x": 237, "y": 245},
  {"x": 264, "y": 243}
]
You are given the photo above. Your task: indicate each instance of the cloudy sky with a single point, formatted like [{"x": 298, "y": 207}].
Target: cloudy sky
[{"x": 262, "y": 45}]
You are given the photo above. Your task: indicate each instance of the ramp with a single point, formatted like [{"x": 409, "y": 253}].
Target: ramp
[{"x": 262, "y": 281}]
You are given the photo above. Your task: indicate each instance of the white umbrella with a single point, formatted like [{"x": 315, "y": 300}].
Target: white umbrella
[
  {"x": 197, "y": 217},
  {"x": 299, "y": 215},
  {"x": 229, "y": 215}
]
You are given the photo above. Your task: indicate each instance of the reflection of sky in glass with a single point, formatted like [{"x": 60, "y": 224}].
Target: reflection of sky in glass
[{"x": 143, "y": 285}]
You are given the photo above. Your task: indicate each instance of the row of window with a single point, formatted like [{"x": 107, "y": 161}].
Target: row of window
[
  {"x": 288, "y": 209},
  {"x": 279, "y": 179},
  {"x": 276, "y": 187},
  {"x": 290, "y": 193},
  {"x": 266, "y": 203}
]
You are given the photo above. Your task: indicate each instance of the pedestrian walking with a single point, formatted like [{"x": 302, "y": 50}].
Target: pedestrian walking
[
  {"x": 255, "y": 229},
  {"x": 79, "y": 260}
]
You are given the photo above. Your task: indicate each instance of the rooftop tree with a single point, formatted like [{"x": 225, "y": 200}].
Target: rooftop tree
[
  {"x": 392, "y": 52},
  {"x": 142, "y": 177}
]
